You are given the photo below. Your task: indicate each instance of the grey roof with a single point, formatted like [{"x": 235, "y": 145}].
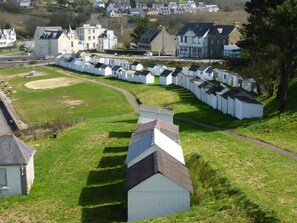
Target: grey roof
[
  {"x": 176, "y": 72},
  {"x": 203, "y": 67},
  {"x": 51, "y": 34},
  {"x": 214, "y": 89},
  {"x": 158, "y": 163},
  {"x": 199, "y": 29},
  {"x": 149, "y": 35},
  {"x": 135, "y": 63},
  {"x": 156, "y": 109},
  {"x": 14, "y": 151},
  {"x": 194, "y": 68},
  {"x": 116, "y": 68},
  {"x": 222, "y": 29},
  {"x": 166, "y": 73},
  {"x": 231, "y": 93},
  {"x": 195, "y": 79},
  {"x": 247, "y": 100},
  {"x": 168, "y": 129},
  {"x": 145, "y": 73},
  {"x": 98, "y": 65}
]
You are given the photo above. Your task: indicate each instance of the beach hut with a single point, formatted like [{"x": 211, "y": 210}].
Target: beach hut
[{"x": 157, "y": 185}]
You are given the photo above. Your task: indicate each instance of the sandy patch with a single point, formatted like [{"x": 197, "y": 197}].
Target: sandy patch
[{"x": 51, "y": 83}]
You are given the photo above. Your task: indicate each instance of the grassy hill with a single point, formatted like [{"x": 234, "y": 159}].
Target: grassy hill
[{"x": 79, "y": 176}]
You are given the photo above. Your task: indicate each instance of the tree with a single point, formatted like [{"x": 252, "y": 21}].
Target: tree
[
  {"x": 142, "y": 24},
  {"x": 272, "y": 31}
]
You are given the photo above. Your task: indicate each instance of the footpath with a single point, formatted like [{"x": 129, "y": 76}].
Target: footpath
[{"x": 134, "y": 102}]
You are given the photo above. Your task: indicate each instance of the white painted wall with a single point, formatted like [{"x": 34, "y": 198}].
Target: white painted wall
[
  {"x": 247, "y": 110},
  {"x": 30, "y": 173},
  {"x": 156, "y": 196},
  {"x": 166, "y": 80},
  {"x": 13, "y": 174},
  {"x": 231, "y": 107}
]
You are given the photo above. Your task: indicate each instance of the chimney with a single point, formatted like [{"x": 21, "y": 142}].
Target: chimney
[{"x": 236, "y": 24}]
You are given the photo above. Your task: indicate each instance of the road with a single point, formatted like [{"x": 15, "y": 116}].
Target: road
[{"x": 4, "y": 127}]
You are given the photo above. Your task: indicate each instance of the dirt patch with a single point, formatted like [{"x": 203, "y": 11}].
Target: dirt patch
[
  {"x": 73, "y": 102},
  {"x": 10, "y": 77},
  {"x": 51, "y": 83}
]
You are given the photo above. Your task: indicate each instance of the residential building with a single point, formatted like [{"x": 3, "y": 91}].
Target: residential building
[
  {"x": 157, "y": 40},
  {"x": 136, "y": 12},
  {"x": 88, "y": 34},
  {"x": 107, "y": 40},
  {"x": 206, "y": 40},
  {"x": 7, "y": 37}
]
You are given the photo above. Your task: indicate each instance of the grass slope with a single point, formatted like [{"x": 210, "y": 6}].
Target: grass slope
[{"x": 79, "y": 176}]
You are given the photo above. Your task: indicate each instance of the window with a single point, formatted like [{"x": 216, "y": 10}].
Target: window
[
  {"x": 94, "y": 45},
  {"x": 89, "y": 38},
  {"x": 3, "y": 178},
  {"x": 93, "y": 37},
  {"x": 185, "y": 39},
  {"x": 71, "y": 43}
]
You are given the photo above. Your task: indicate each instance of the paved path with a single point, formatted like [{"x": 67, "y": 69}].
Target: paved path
[{"x": 132, "y": 100}]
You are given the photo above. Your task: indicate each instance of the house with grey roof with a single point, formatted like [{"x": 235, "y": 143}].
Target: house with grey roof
[
  {"x": 16, "y": 166},
  {"x": 157, "y": 185},
  {"x": 136, "y": 12},
  {"x": 206, "y": 72},
  {"x": 158, "y": 40},
  {"x": 146, "y": 77},
  {"x": 102, "y": 69},
  {"x": 169, "y": 129},
  {"x": 166, "y": 77},
  {"x": 150, "y": 141},
  {"x": 149, "y": 113},
  {"x": 206, "y": 40}
]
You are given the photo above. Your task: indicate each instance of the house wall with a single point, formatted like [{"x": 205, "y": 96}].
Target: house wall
[
  {"x": 231, "y": 106},
  {"x": 30, "y": 174},
  {"x": 164, "y": 42},
  {"x": 148, "y": 116},
  {"x": 247, "y": 110},
  {"x": 161, "y": 196},
  {"x": 166, "y": 80},
  {"x": 13, "y": 176}
]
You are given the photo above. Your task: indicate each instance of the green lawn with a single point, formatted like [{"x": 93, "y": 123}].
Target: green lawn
[
  {"x": 79, "y": 176},
  {"x": 270, "y": 129}
]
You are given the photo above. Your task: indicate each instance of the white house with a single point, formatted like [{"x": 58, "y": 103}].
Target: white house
[
  {"x": 102, "y": 69},
  {"x": 249, "y": 84},
  {"x": 166, "y": 77},
  {"x": 107, "y": 40},
  {"x": 7, "y": 37},
  {"x": 157, "y": 185},
  {"x": 193, "y": 70},
  {"x": 175, "y": 76},
  {"x": 149, "y": 113},
  {"x": 16, "y": 166},
  {"x": 136, "y": 66},
  {"x": 98, "y": 4},
  {"x": 247, "y": 108},
  {"x": 146, "y": 77},
  {"x": 228, "y": 77},
  {"x": 157, "y": 69},
  {"x": 206, "y": 72},
  {"x": 211, "y": 95},
  {"x": 79, "y": 65}
]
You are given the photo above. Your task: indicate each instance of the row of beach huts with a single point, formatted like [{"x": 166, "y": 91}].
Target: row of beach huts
[
  {"x": 157, "y": 181},
  {"x": 229, "y": 96}
]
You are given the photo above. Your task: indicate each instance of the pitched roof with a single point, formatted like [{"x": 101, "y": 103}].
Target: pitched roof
[
  {"x": 51, "y": 34},
  {"x": 194, "y": 68},
  {"x": 166, "y": 73},
  {"x": 247, "y": 100},
  {"x": 158, "y": 163},
  {"x": 203, "y": 67},
  {"x": 98, "y": 65},
  {"x": 149, "y": 35},
  {"x": 214, "y": 89},
  {"x": 135, "y": 63},
  {"x": 176, "y": 72},
  {"x": 232, "y": 91},
  {"x": 200, "y": 29},
  {"x": 156, "y": 109},
  {"x": 14, "y": 151},
  {"x": 145, "y": 73},
  {"x": 116, "y": 68},
  {"x": 168, "y": 129},
  {"x": 156, "y": 140}
]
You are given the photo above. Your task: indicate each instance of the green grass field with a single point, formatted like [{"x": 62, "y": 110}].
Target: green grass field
[{"x": 79, "y": 176}]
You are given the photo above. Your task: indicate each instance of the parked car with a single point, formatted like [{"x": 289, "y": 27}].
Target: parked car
[{"x": 148, "y": 54}]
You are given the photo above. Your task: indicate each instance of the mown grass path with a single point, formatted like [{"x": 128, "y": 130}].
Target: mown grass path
[{"x": 132, "y": 100}]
